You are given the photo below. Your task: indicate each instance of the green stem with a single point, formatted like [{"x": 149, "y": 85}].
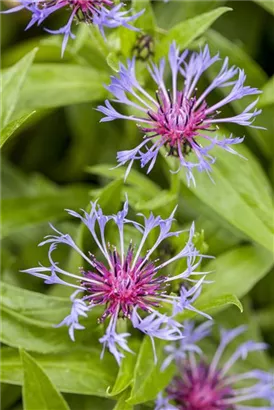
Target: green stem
[{"x": 175, "y": 181}]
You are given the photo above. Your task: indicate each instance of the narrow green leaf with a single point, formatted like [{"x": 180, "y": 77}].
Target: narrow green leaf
[
  {"x": 236, "y": 272},
  {"x": 13, "y": 126},
  {"x": 78, "y": 372},
  {"x": 24, "y": 212},
  {"x": 38, "y": 390},
  {"x": 55, "y": 85},
  {"x": 148, "y": 379},
  {"x": 187, "y": 31},
  {"x": 267, "y": 97},
  {"x": 268, "y": 5},
  {"x": 13, "y": 80}
]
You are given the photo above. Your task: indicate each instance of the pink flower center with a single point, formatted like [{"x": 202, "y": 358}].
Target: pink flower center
[
  {"x": 196, "y": 390},
  {"x": 178, "y": 123},
  {"x": 85, "y": 6},
  {"x": 123, "y": 286}
]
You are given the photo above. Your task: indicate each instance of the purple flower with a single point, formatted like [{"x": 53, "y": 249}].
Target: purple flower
[
  {"x": 180, "y": 118},
  {"x": 125, "y": 279},
  {"x": 102, "y": 13},
  {"x": 203, "y": 383}
]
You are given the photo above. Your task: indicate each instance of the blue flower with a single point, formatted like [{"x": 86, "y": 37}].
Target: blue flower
[
  {"x": 179, "y": 119},
  {"x": 203, "y": 383},
  {"x": 126, "y": 281},
  {"x": 102, "y": 13}
]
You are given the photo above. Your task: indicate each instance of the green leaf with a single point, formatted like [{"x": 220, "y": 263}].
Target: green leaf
[
  {"x": 110, "y": 197},
  {"x": 236, "y": 271},
  {"x": 13, "y": 126},
  {"x": 164, "y": 199},
  {"x": 18, "y": 330},
  {"x": 256, "y": 77},
  {"x": 268, "y": 5},
  {"x": 24, "y": 212},
  {"x": 126, "y": 370},
  {"x": 38, "y": 390},
  {"x": 210, "y": 305},
  {"x": 122, "y": 403},
  {"x": 135, "y": 178},
  {"x": 240, "y": 193},
  {"x": 78, "y": 372},
  {"x": 13, "y": 80},
  {"x": 187, "y": 31},
  {"x": 84, "y": 402},
  {"x": 217, "y": 237},
  {"x": 267, "y": 97},
  {"x": 173, "y": 12},
  {"x": 55, "y": 85},
  {"x": 148, "y": 379},
  {"x": 113, "y": 61},
  {"x": 28, "y": 320}
]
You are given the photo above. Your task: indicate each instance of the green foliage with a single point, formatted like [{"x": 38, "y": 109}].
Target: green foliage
[
  {"x": 187, "y": 31},
  {"x": 240, "y": 193},
  {"x": 57, "y": 156},
  {"x": 12, "y": 82},
  {"x": 38, "y": 390},
  {"x": 268, "y": 5}
]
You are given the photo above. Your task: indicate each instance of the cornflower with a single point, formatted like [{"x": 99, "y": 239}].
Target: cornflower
[
  {"x": 102, "y": 13},
  {"x": 126, "y": 281},
  {"x": 180, "y": 118},
  {"x": 206, "y": 383}
]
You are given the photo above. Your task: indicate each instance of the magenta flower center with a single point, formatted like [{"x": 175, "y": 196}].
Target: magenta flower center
[
  {"x": 88, "y": 6},
  {"x": 123, "y": 286},
  {"x": 178, "y": 123},
  {"x": 197, "y": 390}
]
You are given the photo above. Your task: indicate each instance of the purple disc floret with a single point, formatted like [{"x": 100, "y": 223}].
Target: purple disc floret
[
  {"x": 179, "y": 117},
  {"x": 124, "y": 278},
  {"x": 204, "y": 382}
]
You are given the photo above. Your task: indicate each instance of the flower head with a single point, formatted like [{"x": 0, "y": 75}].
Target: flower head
[
  {"x": 203, "y": 383},
  {"x": 179, "y": 118},
  {"x": 124, "y": 279},
  {"x": 102, "y": 13}
]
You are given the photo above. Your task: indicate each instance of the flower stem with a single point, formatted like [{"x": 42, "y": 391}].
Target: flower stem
[{"x": 175, "y": 181}]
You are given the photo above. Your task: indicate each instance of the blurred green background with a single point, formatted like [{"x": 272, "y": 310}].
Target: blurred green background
[{"x": 55, "y": 159}]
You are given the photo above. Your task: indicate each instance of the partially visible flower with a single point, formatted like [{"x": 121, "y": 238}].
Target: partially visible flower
[
  {"x": 180, "y": 118},
  {"x": 103, "y": 13},
  {"x": 205, "y": 383},
  {"x": 126, "y": 280}
]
